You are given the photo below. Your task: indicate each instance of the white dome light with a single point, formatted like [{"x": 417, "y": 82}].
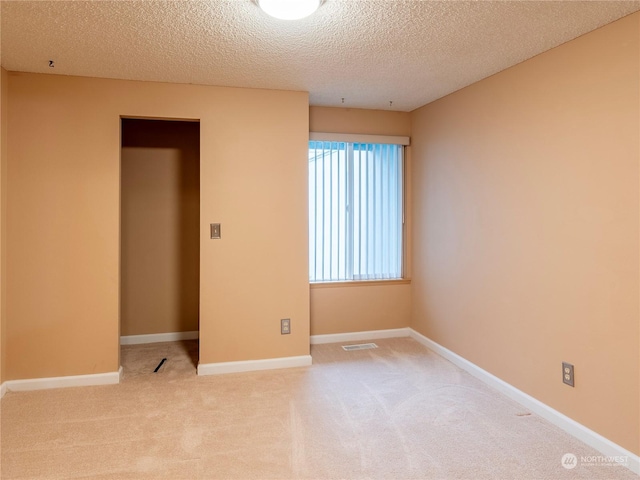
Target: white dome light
[{"x": 289, "y": 9}]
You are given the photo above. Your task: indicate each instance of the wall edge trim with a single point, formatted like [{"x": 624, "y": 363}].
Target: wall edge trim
[
  {"x": 109, "y": 378},
  {"x": 357, "y": 336},
  {"x": 158, "y": 337},
  {"x": 3, "y": 389},
  {"x": 253, "y": 365},
  {"x": 560, "y": 420}
]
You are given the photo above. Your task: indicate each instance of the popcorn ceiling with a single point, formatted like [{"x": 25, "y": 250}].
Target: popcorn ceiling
[{"x": 369, "y": 52}]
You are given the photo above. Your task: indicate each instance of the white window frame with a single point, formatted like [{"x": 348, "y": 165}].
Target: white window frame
[{"x": 370, "y": 139}]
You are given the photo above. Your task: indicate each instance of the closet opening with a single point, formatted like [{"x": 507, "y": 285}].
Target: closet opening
[{"x": 159, "y": 247}]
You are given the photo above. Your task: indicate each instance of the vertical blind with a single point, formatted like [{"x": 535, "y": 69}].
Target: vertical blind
[{"x": 355, "y": 211}]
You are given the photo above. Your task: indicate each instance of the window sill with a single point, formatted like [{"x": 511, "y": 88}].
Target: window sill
[{"x": 360, "y": 283}]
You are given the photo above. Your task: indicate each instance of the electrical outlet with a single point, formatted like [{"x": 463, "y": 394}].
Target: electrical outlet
[
  {"x": 285, "y": 326},
  {"x": 567, "y": 374}
]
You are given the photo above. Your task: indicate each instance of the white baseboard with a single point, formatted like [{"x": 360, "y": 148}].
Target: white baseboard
[
  {"x": 253, "y": 365},
  {"x": 3, "y": 389},
  {"x": 158, "y": 338},
  {"x": 110, "y": 378},
  {"x": 357, "y": 336},
  {"x": 579, "y": 431}
]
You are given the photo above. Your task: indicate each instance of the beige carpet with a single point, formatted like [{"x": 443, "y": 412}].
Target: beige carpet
[{"x": 397, "y": 412}]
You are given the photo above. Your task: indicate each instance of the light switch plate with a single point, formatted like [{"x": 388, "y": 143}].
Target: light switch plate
[{"x": 215, "y": 231}]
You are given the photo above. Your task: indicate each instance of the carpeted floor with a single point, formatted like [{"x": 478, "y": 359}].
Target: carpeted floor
[{"x": 396, "y": 412}]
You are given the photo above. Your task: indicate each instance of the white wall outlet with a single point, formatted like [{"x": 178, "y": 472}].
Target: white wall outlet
[
  {"x": 567, "y": 374},
  {"x": 285, "y": 326}
]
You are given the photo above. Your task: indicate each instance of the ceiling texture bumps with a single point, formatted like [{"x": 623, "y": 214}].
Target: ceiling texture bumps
[{"x": 367, "y": 52}]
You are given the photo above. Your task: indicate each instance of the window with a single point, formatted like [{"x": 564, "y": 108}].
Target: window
[{"x": 355, "y": 211}]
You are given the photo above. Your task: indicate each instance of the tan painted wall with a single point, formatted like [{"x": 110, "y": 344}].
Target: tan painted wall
[
  {"x": 63, "y": 219},
  {"x": 526, "y": 234},
  {"x": 4, "y": 102},
  {"x": 160, "y": 227},
  {"x": 358, "y": 120},
  {"x": 358, "y": 308},
  {"x": 341, "y": 309}
]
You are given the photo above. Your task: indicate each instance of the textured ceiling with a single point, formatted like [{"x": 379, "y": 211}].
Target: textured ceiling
[{"x": 369, "y": 52}]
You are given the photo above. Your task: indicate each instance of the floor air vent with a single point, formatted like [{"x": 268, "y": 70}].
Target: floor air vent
[{"x": 362, "y": 346}]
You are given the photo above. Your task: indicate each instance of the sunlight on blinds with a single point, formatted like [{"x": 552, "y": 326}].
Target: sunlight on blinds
[{"x": 355, "y": 211}]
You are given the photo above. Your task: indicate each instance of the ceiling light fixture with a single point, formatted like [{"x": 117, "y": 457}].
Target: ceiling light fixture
[{"x": 289, "y": 9}]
